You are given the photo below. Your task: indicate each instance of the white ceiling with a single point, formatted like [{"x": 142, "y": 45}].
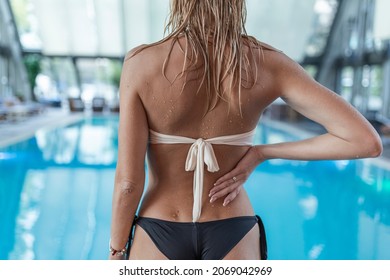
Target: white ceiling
[
  {"x": 112, "y": 27},
  {"x": 98, "y": 27}
]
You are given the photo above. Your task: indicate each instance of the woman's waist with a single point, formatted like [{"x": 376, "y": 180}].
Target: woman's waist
[{"x": 178, "y": 205}]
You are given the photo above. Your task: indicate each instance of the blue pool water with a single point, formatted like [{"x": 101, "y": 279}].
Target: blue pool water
[{"x": 56, "y": 189}]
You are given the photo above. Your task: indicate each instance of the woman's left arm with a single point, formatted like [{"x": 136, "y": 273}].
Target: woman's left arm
[{"x": 130, "y": 169}]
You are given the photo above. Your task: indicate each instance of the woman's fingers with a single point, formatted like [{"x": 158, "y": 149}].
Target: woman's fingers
[
  {"x": 228, "y": 176},
  {"x": 229, "y": 198},
  {"x": 225, "y": 191},
  {"x": 231, "y": 179},
  {"x": 229, "y": 185},
  {"x": 223, "y": 178}
]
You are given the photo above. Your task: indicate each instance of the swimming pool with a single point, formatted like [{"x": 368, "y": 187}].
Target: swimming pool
[{"x": 56, "y": 190}]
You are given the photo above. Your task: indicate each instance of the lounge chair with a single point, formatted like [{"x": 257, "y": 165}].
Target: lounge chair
[
  {"x": 12, "y": 109},
  {"x": 76, "y": 105},
  {"x": 3, "y": 114},
  {"x": 98, "y": 104}
]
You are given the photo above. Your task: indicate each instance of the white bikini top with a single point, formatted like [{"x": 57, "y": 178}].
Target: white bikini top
[{"x": 200, "y": 152}]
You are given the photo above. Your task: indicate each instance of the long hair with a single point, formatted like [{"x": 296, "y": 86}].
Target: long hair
[{"x": 214, "y": 31}]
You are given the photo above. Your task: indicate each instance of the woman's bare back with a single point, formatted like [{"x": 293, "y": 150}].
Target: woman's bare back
[{"x": 172, "y": 111}]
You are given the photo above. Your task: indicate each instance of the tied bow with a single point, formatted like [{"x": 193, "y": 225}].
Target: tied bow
[{"x": 201, "y": 152}]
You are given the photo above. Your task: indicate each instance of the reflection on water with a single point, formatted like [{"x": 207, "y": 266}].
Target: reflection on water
[
  {"x": 93, "y": 142},
  {"x": 56, "y": 188},
  {"x": 55, "y": 192}
]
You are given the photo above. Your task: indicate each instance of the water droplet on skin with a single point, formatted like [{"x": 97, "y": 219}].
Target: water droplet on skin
[
  {"x": 230, "y": 121},
  {"x": 170, "y": 111}
]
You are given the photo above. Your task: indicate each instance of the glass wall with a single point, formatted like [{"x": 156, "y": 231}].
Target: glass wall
[
  {"x": 371, "y": 97},
  {"x": 346, "y": 83},
  {"x": 373, "y": 83},
  {"x": 99, "y": 78},
  {"x": 361, "y": 67},
  {"x": 4, "y": 53},
  {"x": 13, "y": 80},
  {"x": 86, "y": 78},
  {"x": 324, "y": 13},
  {"x": 3, "y": 76},
  {"x": 84, "y": 59}
]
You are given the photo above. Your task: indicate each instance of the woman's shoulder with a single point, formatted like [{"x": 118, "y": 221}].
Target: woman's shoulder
[
  {"x": 145, "y": 59},
  {"x": 137, "y": 51},
  {"x": 268, "y": 47},
  {"x": 269, "y": 56},
  {"x": 253, "y": 42},
  {"x": 146, "y": 55},
  {"x": 148, "y": 49}
]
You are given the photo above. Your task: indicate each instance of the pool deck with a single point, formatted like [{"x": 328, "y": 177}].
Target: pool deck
[
  {"x": 12, "y": 132},
  {"x": 16, "y": 131}
]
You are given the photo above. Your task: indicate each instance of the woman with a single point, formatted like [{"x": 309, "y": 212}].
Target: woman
[{"x": 205, "y": 80}]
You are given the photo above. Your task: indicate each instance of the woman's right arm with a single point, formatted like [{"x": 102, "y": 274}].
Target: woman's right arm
[
  {"x": 130, "y": 170},
  {"x": 349, "y": 135}
]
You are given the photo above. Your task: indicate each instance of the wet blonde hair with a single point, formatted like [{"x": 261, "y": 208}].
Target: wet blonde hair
[{"x": 223, "y": 22}]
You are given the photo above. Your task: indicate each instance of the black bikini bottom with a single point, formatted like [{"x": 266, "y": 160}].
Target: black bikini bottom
[{"x": 210, "y": 240}]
